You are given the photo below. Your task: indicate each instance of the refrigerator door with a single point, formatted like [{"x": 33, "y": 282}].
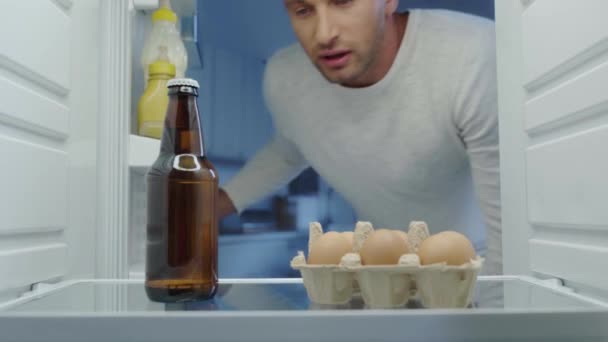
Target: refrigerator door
[
  {"x": 279, "y": 310},
  {"x": 552, "y": 100},
  {"x": 48, "y": 111}
]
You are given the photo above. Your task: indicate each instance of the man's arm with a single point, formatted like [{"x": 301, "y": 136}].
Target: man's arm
[
  {"x": 225, "y": 205},
  {"x": 272, "y": 167},
  {"x": 476, "y": 119},
  {"x": 275, "y": 164}
]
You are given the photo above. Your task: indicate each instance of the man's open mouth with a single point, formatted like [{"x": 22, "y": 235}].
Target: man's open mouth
[
  {"x": 335, "y": 56},
  {"x": 335, "y": 60}
]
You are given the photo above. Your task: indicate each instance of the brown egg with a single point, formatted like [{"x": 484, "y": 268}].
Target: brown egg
[
  {"x": 349, "y": 236},
  {"x": 450, "y": 247},
  {"x": 329, "y": 248},
  {"x": 383, "y": 247},
  {"x": 403, "y": 235}
]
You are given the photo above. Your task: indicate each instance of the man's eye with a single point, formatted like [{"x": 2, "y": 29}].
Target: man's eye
[{"x": 302, "y": 11}]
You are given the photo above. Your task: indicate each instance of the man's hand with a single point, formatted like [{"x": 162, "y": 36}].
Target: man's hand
[{"x": 225, "y": 205}]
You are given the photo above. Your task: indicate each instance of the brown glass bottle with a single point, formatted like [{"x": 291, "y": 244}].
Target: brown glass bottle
[{"x": 182, "y": 191}]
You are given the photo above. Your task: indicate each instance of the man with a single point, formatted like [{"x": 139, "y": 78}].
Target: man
[{"x": 397, "y": 111}]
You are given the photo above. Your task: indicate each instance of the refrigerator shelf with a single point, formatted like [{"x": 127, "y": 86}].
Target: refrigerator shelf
[{"x": 279, "y": 309}]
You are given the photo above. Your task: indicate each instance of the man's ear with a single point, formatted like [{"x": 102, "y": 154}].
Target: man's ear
[{"x": 390, "y": 6}]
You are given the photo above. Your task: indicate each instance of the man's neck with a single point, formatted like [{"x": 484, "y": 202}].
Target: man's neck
[{"x": 396, "y": 26}]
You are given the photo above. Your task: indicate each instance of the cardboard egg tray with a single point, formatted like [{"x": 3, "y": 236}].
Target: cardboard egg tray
[{"x": 387, "y": 286}]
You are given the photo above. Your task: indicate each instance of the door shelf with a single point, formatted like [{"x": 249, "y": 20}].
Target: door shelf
[{"x": 143, "y": 152}]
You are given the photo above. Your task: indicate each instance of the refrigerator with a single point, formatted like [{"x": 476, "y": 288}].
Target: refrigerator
[{"x": 70, "y": 159}]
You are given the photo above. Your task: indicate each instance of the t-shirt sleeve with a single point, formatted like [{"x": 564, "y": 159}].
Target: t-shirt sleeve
[
  {"x": 276, "y": 163},
  {"x": 272, "y": 167},
  {"x": 476, "y": 120}
]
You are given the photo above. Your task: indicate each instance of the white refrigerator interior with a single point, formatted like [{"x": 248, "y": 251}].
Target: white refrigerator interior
[{"x": 65, "y": 85}]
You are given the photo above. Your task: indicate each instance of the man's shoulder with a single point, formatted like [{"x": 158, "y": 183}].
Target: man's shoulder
[
  {"x": 457, "y": 28},
  {"x": 457, "y": 39},
  {"x": 454, "y": 20},
  {"x": 289, "y": 53},
  {"x": 288, "y": 70},
  {"x": 288, "y": 61}
]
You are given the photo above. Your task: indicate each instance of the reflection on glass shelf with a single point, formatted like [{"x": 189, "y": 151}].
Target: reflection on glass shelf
[{"x": 129, "y": 296}]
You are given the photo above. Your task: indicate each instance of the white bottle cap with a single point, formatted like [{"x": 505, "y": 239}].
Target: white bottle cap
[{"x": 188, "y": 82}]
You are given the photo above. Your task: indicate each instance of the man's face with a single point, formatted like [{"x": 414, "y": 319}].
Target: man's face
[{"x": 343, "y": 38}]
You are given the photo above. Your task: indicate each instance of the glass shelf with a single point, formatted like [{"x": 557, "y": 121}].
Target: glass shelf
[
  {"x": 274, "y": 310},
  {"x": 283, "y": 295}
]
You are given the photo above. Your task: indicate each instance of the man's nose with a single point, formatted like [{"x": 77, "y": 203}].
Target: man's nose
[{"x": 327, "y": 31}]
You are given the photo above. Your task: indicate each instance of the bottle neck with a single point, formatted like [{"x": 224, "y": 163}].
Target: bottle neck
[
  {"x": 157, "y": 83},
  {"x": 164, "y": 27},
  {"x": 160, "y": 77},
  {"x": 183, "y": 133}
]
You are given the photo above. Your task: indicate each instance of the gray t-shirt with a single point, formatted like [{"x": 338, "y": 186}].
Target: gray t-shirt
[{"x": 421, "y": 144}]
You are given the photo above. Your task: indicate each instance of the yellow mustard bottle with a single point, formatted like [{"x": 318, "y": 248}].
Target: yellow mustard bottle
[{"x": 153, "y": 103}]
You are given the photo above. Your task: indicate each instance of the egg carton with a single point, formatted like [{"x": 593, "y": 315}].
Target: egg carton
[
  {"x": 388, "y": 286},
  {"x": 325, "y": 284}
]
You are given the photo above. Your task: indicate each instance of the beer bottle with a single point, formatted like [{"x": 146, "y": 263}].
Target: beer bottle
[{"x": 182, "y": 221}]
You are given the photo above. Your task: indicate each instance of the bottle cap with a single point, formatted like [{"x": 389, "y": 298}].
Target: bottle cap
[
  {"x": 162, "y": 68},
  {"x": 188, "y": 82},
  {"x": 165, "y": 14}
]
